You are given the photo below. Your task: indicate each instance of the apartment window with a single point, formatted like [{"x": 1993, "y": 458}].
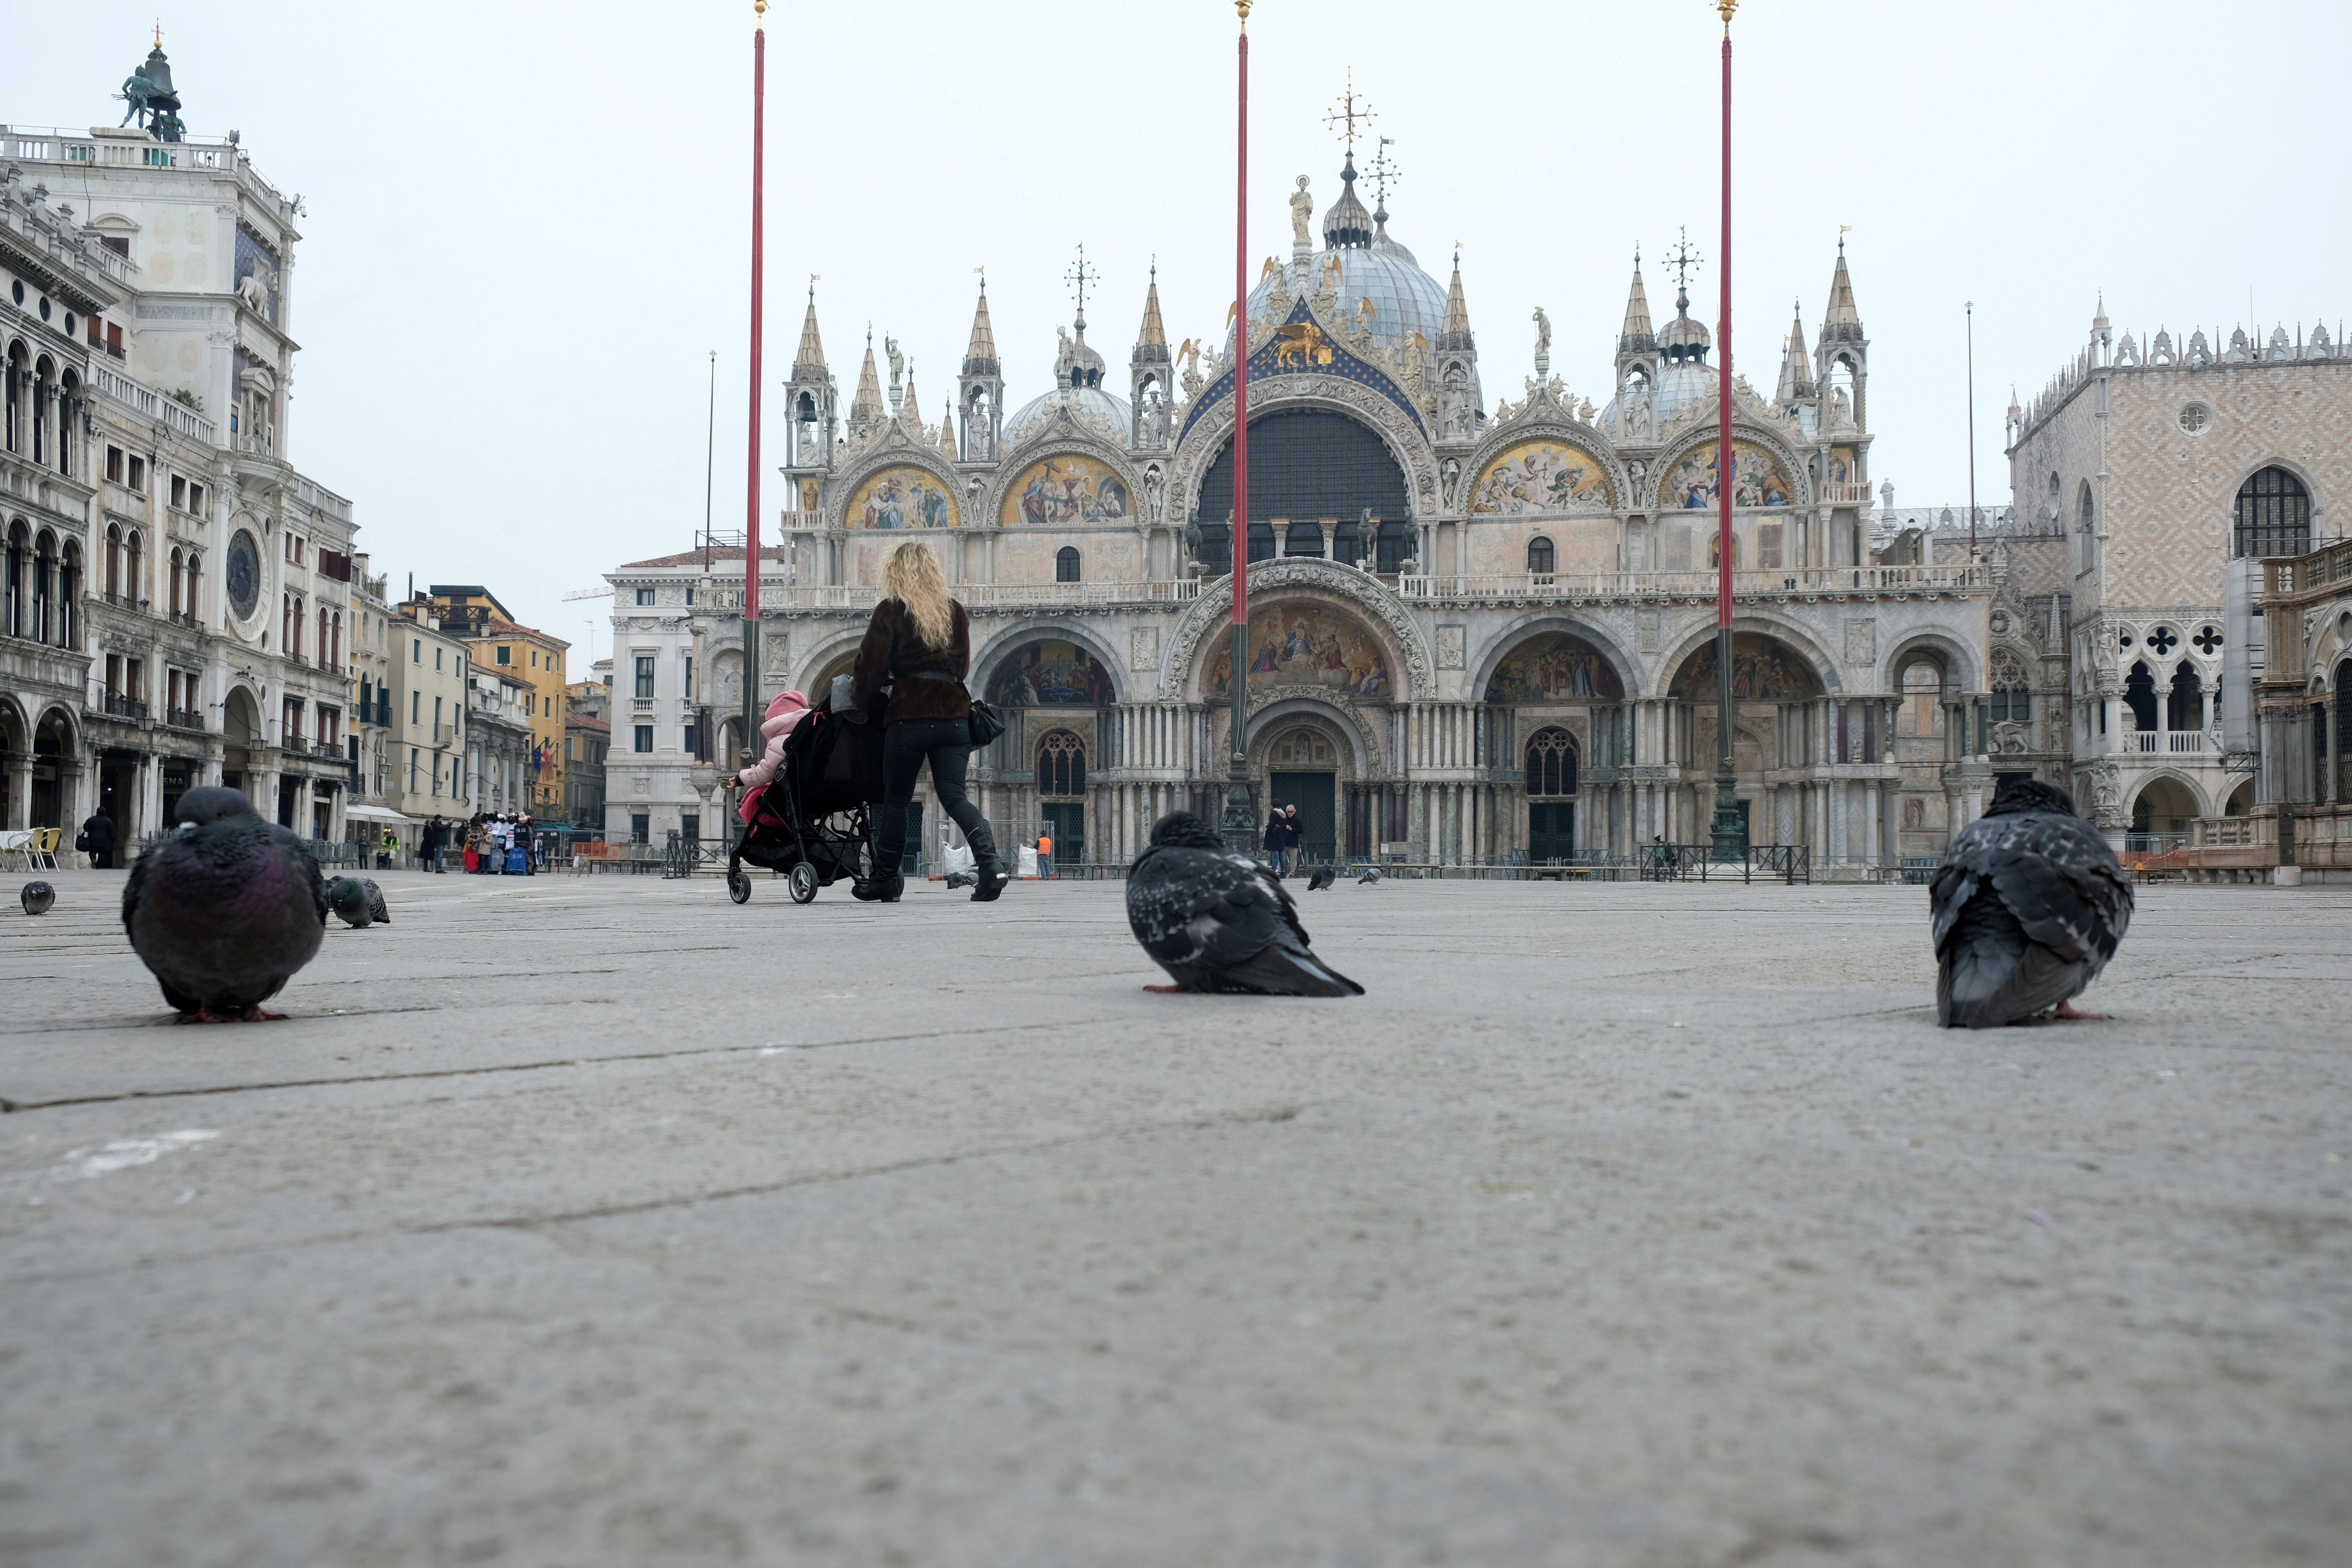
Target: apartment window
[
  {"x": 534, "y": 658},
  {"x": 640, "y": 827},
  {"x": 567, "y": 749},
  {"x": 139, "y": 474},
  {"x": 687, "y": 745},
  {"x": 114, "y": 464},
  {"x": 530, "y": 704},
  {"x": 645, "y": 597},
  {"x": 506, "y": 656},
  {"x": 436, "y": 714},
  {"x": 412, "y": 770},
  {"x": 196, "y": 499},
  {"x": 179, "y": 492},
  {"x": 689, "y": 678},
  {"x": 134, "y": 684},
  {"x": 416, "y": 701},
  {"x": 436, "y": 657},
  {"x": 416, "y": 650},
  {"x": 646, "y": 676},
  {"x": 645, "y": 738},
  {"x": 689, "y": 595}
]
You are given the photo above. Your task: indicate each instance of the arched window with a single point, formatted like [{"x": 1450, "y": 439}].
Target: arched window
[
  {"x": 66, "y": 391},
  {"x": 336, "y": 657},
  {"x": 1065, "y": 563},
  {"x": 134, "y": 567},
  {"x": 13, "y": 584},
  {"x": 2273, "y": 515},
  {"x": 2139, "y": 696},
  {"x": 322, "y": 643},
  {"x": 1551, "y": 762},
  {"x": 2086, "y": 520},
  {"x": 176, "y": 582},
  {"x": 1539, "y": 557},
  {"x": 1061, "y": 765},
  {"x": 113, "y": 560},
  {"x": 45, "y": 585},
  {"x": 2012, "y": 698},
  {"x": 193, "y": 606}
]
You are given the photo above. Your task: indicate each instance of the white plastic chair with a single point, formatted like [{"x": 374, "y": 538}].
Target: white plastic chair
[{"x": 19, "y": 842}]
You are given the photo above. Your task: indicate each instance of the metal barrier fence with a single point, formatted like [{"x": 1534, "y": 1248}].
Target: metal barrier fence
[{"x": 1791, "y": 863}]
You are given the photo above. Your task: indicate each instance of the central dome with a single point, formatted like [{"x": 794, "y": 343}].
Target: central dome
[{"x": 1405, "y": 300}]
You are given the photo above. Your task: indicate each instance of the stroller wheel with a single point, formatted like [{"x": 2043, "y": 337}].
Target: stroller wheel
[
  {"x": 739, "y": 884},
  {"x": 802, "y": 883}
]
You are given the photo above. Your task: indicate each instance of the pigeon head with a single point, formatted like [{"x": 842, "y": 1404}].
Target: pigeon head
[
  {"x": 2030, "y": 794},
  {"x": 213, "y": 803},
  {"x": 348, "y": 898},
  {"x": 1183, "y": 830}
]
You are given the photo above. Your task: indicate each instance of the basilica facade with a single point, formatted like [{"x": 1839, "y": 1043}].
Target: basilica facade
[{"x": 1482, "y": 625}]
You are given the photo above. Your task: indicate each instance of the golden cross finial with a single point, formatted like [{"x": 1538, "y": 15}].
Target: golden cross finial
[
  {"x": 1347, "y": 113},
  {"x": 159, "y": 32}
]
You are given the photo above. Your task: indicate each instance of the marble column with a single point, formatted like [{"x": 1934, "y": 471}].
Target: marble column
[
  {"x": 1837, "y": 823},
  {"x": 1870, "y": 824},
  {"x": 20, "y": 791}
]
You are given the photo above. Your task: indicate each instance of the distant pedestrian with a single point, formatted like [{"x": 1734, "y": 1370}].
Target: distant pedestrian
[
  {"x": 1297, "y": 837},
  {"x": 437, "y": 842},
  {"x": 97, "y": 841},
  {"x": 1045, "y": 857},
  {"x": 526, "y": 838},
  {"x": 1276, "y": 840}
]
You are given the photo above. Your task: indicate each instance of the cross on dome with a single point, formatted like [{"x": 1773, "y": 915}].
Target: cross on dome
[{"x": 1350, "y": 109}]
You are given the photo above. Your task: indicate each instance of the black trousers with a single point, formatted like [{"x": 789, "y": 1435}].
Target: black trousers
[{"x": 946, "y": 744}]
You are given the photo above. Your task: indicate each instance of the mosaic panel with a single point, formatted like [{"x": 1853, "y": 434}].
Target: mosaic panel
[
  {"x": 1761, "y": 668},
  {"x": 1296, "y": 645},
  {"x": 1067, "y": 490},
  {"x": 1758, "y": 479},
  {"x": 1553, "y": 668},
  {"x": 1050, "y": 673},
  {"x": 1543, "y": 476},
  {"x": 902, "y": 498}
]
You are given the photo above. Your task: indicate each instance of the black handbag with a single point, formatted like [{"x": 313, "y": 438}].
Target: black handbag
[{"x": 986, "y": 723}]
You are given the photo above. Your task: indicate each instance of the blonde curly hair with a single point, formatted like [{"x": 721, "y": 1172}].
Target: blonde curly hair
[{"x": 912, "y": 575}]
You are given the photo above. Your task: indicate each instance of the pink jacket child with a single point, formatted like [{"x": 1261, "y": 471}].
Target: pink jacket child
[{"x": 784, "y": 716}]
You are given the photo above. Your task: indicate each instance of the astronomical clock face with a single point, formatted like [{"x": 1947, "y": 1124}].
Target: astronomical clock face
[{"x": 243, "y": 575}]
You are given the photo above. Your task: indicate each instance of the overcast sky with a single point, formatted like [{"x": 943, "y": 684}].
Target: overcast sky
[{"x": 529, "y": 225}]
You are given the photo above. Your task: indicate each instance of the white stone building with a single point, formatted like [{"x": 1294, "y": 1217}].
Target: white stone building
[
  {"x": 1483, "y": 629},
  {"x": 176, "y": 599}
]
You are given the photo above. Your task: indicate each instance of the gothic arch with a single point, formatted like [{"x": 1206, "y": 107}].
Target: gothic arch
[
  {"x": 1764, "y": 623},
  {"x": 1361, "y": 738},
  {"x": 1535, "y": 623},
  {"x": 1007, "y": 641},
  {"x": 1949, "y": 650},
  {"x": 1403, "y": 437},
  {"x": 2140, "y": 786},
  {"x": 1183, "y": 666}
]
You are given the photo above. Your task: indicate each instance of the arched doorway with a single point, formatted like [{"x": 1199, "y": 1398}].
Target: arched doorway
[
  {"x": 1308, "y": 465},
  {"x": 1551, "y": 795},
  {"x": 54, "y": 769},
  {"x": 1061, "y": 756},
  {"x": 240, "y": 737},
  {"x": 2161, "y": 813},
  {"x": 1304, "y": 759}
]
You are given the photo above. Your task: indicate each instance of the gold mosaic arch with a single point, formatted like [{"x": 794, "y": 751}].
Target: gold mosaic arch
[
  {"x": 1067, "y": 487},
  {"x": 1759, "y": 480},
  {"x": 1305, "y": 643},
  {"x": 1542, "y": 474},
  {"x": 902, "y": 497}
]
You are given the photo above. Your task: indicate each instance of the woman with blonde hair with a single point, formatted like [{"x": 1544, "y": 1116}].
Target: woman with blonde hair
[{"x": 919, "y": 644}]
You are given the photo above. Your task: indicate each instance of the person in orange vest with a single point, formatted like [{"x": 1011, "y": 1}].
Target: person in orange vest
[{"x": 1045, "y": 857}]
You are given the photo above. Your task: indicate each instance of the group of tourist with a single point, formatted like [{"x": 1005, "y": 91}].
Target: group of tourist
[{"x": 485, "y": 842}]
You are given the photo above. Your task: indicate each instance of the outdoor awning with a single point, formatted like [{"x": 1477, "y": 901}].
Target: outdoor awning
[{"x": 375, "y": 814}]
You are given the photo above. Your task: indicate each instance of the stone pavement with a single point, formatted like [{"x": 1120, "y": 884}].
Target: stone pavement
[{"x": 601, "y": 1221}]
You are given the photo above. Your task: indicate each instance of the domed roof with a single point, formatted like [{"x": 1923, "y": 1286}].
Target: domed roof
[
  {"x": 1684, "y": 339},
  {"x": 1090, "y": 403},
  {"x": 1405, "y": 300}
]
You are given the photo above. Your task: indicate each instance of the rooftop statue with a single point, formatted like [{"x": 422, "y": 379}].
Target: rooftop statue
[{"x": 1302, "y": 214}]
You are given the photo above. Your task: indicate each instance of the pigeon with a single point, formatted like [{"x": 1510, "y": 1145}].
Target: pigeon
[
  {"x": 1217, "y": 921},
  {"x": 357, "y": 901},
  {"x": 1320, "y": 878},
  {"x": 36, "y": 898},
  {"x": 1372, "y": 875},
  {"x": 225, "y": 909},
  {"x": 2028, "y": 907}
]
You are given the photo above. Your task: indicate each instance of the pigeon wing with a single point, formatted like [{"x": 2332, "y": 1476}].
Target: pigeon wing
[
  {"x": 1220, "y": 921},
  {"x": 134, "y": 889},
  {"x": 376, "y": 909}
]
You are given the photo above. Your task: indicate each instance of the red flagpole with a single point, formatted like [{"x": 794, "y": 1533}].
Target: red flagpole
[
  {"x": 1239, "y": 820},
  {"x": 751, "y": 490},
  {"x": 1727, "y": 839}
]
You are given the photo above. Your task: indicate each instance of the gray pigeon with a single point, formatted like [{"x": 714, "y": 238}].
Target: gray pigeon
[
  {"x": 224, "y": 910},
  {"x": 1216, "y": 921},
  {"x": 36, "y": 898},
  {"x": 1320, "y": 878},
  {"x": 357, "y": 901},
  {"x": 1372, "y": 874},
  {"x": 2028, "y": 907}
]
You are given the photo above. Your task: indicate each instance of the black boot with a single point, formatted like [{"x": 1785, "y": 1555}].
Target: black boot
[
  {"x": 987, "y": 865},
  {"x": 888, "y": 849}
]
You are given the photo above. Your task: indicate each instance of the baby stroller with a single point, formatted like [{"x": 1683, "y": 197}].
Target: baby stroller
[{"x": 810, "y": 821}]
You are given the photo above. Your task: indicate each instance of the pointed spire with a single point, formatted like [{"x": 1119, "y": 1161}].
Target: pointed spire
[
  {"x": 947, "y": 430},
  {"x": 1154, "y": 335},
  {"x": 1795, "y": 370},
  {"x": 914, "y": 402},
  {"x": 866, "y": 408},
  {"x": 811, "y": 356},
  {"x": 1843, "y": 322},
  {"x": 980, "y": 355},
  {"x": 1457, "y": 308},
  {"x": 1636, "y": 334}
]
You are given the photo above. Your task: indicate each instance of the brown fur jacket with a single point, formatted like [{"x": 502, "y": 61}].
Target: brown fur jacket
[{"x": 893, "y": 654}]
